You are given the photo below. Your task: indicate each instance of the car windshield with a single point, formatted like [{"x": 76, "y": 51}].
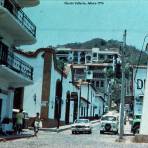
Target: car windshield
[
  {"x": 109, "y": 118},
  {"x": 82, "y": 121}
]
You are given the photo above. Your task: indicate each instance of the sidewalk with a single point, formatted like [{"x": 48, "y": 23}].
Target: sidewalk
[
  {"x": 61, "y": 128},
  {"x": 25, "y": 134},
  {"x": 28, "y": 134}
]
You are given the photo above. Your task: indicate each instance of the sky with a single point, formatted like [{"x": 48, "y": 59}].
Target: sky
[{"x": 59, "y": 22}]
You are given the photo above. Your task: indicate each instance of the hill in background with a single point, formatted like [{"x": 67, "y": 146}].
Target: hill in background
[{"x": 132, "y": 53}]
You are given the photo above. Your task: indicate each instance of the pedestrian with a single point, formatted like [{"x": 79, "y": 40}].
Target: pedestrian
[
  {"x": 36, "y": 124},
  {"x": 19, "y": 121}
]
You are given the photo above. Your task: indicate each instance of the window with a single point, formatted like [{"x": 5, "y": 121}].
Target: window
[
  {"x": 94, "y": 55},
  {"x": 81, "y": 111},
  {"x": 98, "y": 75},
  {"x": 109, "y": 56},
  {"x": 79, "y": 71},
  {"x": 88, "y": 58},
  {"x": 101, "y": 57},
  {"x": 102, "y": 83},
  {"x": 97, "y": 83},
  {"x": 108, "y": 118}
]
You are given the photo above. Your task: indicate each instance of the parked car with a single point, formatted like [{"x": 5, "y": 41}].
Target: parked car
[
  {"x": 81, "y": 125},
  {"x": 109, "y": 124},
  {"x": 136, "y": 124}
]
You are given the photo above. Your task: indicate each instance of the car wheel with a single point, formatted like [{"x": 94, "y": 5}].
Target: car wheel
[
  {"x": 101, "y": 132},
  {"x": 116, "y": 132},
  {"x": 90, "y": 132},
  {"x": 73, "y": 132}
]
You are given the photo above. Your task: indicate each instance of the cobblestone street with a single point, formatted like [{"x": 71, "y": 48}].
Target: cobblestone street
[{"x": 65, "y": 140}]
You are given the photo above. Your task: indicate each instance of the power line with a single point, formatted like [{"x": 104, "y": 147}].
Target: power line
[
  {"x": 141, "y": 51},
  {"x": 138, "y": 63}
]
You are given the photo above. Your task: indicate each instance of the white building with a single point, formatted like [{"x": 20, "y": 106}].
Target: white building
[
  {"x": 139, "y": 79},
  {"x": 54, "y": 94},
  {"x": 99, "y": 62},
  {"x": 144, "y": 125},
  {"x": 16, "y": 29},
  {"x": 89, "y": 99},
  {"x": 50, "y": 89}
]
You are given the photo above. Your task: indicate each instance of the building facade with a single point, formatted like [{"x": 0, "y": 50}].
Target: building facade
[
  {"x": 16, "y": 29},
  {"x": 54, "y": 93},
  {"x": 95, "y": 63},
  {"x": 139, "y": 79}
]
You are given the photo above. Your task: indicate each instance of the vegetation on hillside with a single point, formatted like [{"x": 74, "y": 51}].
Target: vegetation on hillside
[{"x": 132, "y": 53}]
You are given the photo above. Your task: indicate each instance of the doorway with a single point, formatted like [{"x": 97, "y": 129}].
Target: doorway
[
  {"x": 1, "y": 109},
  {"x": 67, "y": 108}
]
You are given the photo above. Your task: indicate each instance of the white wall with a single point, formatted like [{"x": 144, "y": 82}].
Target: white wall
[
  {"x": 66, "y": 87},
  {"x": 91, "y": 98},
  {"x": 7, "y": 100},
  {"x": 139, "y": 87},
  {"x": 144, "y": 121},
  {"x": 31, "y": 91},
  {"x": 99, "y": 103},
  {"x": 82, "y": 106}
]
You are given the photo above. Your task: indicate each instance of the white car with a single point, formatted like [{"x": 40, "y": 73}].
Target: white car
[
  {"x": 109, "y": 123},
  {"x": 81, "y": 125}
]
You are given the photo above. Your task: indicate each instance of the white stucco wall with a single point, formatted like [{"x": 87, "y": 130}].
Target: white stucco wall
[
  {"x": 144, "y": 121},
  {"x": 92, "y": 94},
  {"x": 31, "y": 91},
  {"x": 35, "y": 90},
  {"x": 99, "y": 104},
  {"x": 66, "y": 87},
  {"x": 7, "y": 100},
  {"x": 139, "y": 87},
  {"x": 83, "y": 105}
]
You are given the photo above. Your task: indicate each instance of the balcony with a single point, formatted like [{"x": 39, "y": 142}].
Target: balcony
[
  {"x": 22, "y": 29},
  {"x": 13, "y": 70},
  {"x": 28, "y": 3}
]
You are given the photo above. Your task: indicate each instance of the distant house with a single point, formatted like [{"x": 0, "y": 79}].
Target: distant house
[
  {"x": 91, "y": 102},
  {"x": 95, "y": 61}
]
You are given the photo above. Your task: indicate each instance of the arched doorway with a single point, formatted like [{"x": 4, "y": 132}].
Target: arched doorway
[
  {"x": 58, "y": 96},
  {"x": 67, "y": 111}
]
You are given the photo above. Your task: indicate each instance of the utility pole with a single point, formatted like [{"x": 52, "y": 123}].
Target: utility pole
[
  {"x": 121, "y": 132},
  {"x": 109, "y": 98}
]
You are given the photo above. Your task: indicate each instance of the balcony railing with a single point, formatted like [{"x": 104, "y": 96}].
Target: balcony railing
[
  {"x": 22, "y": 18},
  {"x": 10, "y": 60}
]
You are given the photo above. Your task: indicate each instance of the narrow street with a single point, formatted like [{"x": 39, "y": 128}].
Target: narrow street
[{"x": 66, "y": 140}]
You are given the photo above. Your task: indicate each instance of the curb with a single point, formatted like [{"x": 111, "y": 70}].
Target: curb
[
  {"x": 60, "y": 129},
  {"x": 9, "y": 138}
]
